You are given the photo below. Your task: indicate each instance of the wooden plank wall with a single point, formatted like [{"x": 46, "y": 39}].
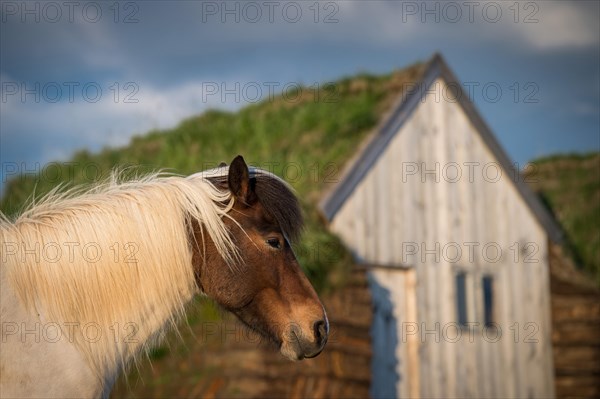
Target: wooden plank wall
[
  {"x": 576, "y": 329},
  {"x": 392, "y": 210},
  {"x": 399, "y": 287}
]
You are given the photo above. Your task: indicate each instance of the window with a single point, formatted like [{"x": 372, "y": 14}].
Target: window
[
  {"x": 487, "y": 284},
  {"x": 461, "y": 298},
  {"x": 469, "y": 304}
]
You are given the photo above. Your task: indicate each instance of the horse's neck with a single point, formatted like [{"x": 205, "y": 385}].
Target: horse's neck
[
  {"x": 117, "y": 304},
  {"x": 135, "y": 337},
  {"x": 91, "y": 370},
  {"x": 33, "y": 362}
]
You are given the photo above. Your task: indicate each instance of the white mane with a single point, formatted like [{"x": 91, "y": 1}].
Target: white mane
[{"x": 115, "y": 254}]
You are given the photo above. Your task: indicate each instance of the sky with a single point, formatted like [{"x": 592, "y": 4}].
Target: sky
[{"x": 78, "y": 75}]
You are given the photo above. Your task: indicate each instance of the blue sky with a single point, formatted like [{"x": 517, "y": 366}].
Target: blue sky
[{"x": 69, "y": 73}]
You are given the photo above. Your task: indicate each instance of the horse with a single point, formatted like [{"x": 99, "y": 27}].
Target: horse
[{"x": 92, "y": 279}]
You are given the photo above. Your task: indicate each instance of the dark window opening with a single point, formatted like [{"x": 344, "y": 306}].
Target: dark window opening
[
  {"x": 461, "y": 298},
  {"x": 487, "y": 283}
]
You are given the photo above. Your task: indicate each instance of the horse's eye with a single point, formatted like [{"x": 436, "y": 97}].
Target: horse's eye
[{"x": 274, "y": 242}]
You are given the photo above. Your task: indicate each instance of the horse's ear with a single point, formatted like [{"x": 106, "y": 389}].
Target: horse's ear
[{"x": 239, "y": 180}]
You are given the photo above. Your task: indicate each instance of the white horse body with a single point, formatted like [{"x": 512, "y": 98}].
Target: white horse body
[
  {"x": 72, "y": 323},
  {"x": 26, "y": 360}
]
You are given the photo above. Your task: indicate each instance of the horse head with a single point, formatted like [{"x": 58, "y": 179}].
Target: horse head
[{"x": 267, "y": 290}]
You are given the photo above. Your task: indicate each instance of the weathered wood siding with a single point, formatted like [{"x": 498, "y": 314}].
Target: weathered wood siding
[
  {"x": 576, "y": 329},
  {"x": 436, "y": 189},
  {"x": 393, "y": 293}
]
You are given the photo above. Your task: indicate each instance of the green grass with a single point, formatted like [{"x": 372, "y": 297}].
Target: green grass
[
  {"x": 158, "y": 353},
  {"x": 569, "y": 184},
  {"x": 306, "y": 141}
]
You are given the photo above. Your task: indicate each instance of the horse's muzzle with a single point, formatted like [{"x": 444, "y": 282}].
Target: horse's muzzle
[{"x": 306, "y": 343}]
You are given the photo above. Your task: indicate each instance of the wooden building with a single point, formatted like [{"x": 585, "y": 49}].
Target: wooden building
[
  {"x": 457, "y": 247},
  {"x": 459, "y": 269}
]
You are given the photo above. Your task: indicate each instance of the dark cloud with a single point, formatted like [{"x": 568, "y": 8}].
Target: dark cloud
[{"x": 171, "y": 48}]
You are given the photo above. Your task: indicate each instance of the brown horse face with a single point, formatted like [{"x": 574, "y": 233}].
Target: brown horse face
[{"x": 268, "y": 292}]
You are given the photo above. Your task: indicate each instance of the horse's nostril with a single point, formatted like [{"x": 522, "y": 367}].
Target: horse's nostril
[{"x": 320, "y": 328}]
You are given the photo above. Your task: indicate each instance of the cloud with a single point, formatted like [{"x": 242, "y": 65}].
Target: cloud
[
  {"x": 172, "y": 53},
  {"x": 111, "y": 118},
  {"x": 561, "y": 25},
  {"x": 540, "y": 26}
]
